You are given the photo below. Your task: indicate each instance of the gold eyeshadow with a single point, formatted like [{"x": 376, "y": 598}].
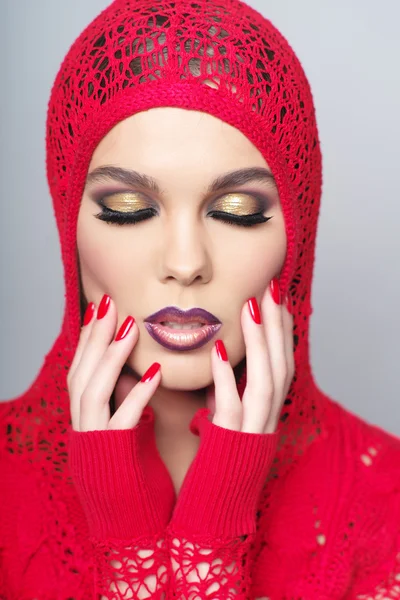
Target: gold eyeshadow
[
  {"x": 239, "y": 204},
  {"x": 126, "y": 202},
  {"x": 236, "y": 203}
]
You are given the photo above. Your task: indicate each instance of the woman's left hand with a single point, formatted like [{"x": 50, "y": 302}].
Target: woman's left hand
[
  {"x": 270, "y": 367},
  {"x": 238, "y": 438}
]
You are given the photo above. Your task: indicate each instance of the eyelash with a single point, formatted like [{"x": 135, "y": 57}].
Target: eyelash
[{"x": 117, "y": 218}]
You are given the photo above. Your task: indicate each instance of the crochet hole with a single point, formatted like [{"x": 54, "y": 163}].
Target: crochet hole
[{"x": 367, "y": 460}]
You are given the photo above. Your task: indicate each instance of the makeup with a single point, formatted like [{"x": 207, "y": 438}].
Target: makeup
[
  {"x": 244, "y": 209},
  {"x": 182, "y": 330}
]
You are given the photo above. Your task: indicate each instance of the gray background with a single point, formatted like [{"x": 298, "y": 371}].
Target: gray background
[{"x": 350, "y": 50}]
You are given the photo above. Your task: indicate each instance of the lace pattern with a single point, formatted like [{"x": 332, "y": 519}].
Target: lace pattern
[
  {"x": 211, "y": 568},
  {"x": 140, "y": 571}
]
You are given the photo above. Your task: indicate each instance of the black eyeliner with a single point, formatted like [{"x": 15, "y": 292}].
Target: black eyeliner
[
  {"x": 243, "y": 220},
  {"x": 119, "y": 218}
]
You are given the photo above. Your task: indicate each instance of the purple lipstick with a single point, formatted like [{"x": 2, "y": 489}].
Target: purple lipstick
[{"x": 177, "y": 329}]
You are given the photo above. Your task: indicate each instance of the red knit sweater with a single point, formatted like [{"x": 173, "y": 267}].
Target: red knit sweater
[
  {"x": 311, "y": 512},
  {"x": 328, "y": 529}
]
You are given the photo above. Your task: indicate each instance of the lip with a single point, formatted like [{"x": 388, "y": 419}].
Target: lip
[{"x": 182, "y": 339}]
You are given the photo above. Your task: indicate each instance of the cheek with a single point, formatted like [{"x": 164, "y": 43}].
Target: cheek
[
  {"x": 246, "y": 274},
  {"x": 107, "y": 259},
  {"x": 259, "y": 260}
]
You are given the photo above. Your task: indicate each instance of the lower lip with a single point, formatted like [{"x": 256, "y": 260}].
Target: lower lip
[{"x": 182, "y": 339}]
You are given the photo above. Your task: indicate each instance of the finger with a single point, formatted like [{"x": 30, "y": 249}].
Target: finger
[
  {"x": 74, "y": 396},
  {"x": 274, "y": 333},
  {"x": 95, "y": 400},
  {"x": 86, "y": 328},
  {"x": 228, "y": 407},
  {"x": 257, "y": 397},
  {"x": 100, "y": 336},
  {"x": 287, "y": 316},
  {"x": 129, "y": 413}
]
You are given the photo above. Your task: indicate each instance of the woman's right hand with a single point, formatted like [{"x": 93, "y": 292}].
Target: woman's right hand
[
  {"x": 95, "y": 373},
  {"x": 124, "y": 486}
]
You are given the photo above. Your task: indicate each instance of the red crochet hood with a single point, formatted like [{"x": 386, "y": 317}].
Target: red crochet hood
[{"x": 223, "y": 58}]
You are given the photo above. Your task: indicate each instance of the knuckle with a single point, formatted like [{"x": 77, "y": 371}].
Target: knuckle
[
  {"x": 283, "y": 373},
  {"x": 70, "y": 372},
  {"x": 86, "y": 400},
  {"x": 108, "y": 359},
  {"x": 71, "y": 387},
  {"x": 290, "y": 370}
]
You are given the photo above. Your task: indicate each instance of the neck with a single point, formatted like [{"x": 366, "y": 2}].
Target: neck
[{"x": 174, "y": 409}]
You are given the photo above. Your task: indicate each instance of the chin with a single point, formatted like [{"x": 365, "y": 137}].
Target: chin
[{"x": 185, "y": 384}]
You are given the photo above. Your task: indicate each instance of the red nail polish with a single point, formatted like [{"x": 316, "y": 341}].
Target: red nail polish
[
  {"x": 275, "y": 291},
  {"x": 89, "y": 313},
  {"x": 151, "y": 371},
  {"x": 289, "y": 303},
  {"x": 124, "y": 329},
  {"x": 221, "y": 350},
  {"x": 103, "y": 306},
  {"x": 254, "y": 310}
]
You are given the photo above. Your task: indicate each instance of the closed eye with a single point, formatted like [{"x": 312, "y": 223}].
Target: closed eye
[
  {"x": 241, "y": 220},
  {"x": 125, "y": 218}
]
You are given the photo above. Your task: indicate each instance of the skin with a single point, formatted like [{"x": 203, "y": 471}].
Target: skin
[
  {"x": 184, "y": 258},
  {"x": 180, "y": 257}
]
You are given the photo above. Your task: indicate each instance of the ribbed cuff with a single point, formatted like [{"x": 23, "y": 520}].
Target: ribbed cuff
[
  {"x": 222, "y": 487},
  {"x": 123, "y": 485}
]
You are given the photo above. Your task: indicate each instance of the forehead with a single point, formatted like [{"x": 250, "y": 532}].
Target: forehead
[{"x": 174, "y": 132}]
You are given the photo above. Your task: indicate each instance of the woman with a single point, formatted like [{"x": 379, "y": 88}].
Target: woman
[{"x": 174, "y": 443}]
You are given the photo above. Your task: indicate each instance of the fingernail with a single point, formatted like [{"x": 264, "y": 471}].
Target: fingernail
[
  {"x": 151, "y": 371},
  {"x": 275, "y": 291},
  {"x": 89, "y": 313},
  {"x": 103, "y": 306},
  {"x": 254, "y": 310},
  {"x": 289, "y": 303},
  {"x": 124, "y": 329},
  {"x": 221, "y": 350}
]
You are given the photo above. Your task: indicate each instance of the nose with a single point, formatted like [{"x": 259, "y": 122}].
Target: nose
[{"x": 185, "y": 255}]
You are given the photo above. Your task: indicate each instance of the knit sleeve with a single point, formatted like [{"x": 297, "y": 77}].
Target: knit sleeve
[
  {"x": 127, "y": 496},
  {"x": 214, "y": 521}
]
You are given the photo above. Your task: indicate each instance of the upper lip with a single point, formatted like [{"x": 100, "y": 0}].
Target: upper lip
[{"x": 177, "y": 315}]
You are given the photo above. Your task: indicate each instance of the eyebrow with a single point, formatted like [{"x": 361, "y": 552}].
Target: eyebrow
[{"x": 133, "y": 178}]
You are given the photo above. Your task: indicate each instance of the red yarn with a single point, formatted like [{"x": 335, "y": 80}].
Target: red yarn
[{"x": 310, "y": 512}]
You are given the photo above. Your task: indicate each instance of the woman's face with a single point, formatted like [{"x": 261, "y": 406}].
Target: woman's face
[{"x": 183, "y": 253}]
